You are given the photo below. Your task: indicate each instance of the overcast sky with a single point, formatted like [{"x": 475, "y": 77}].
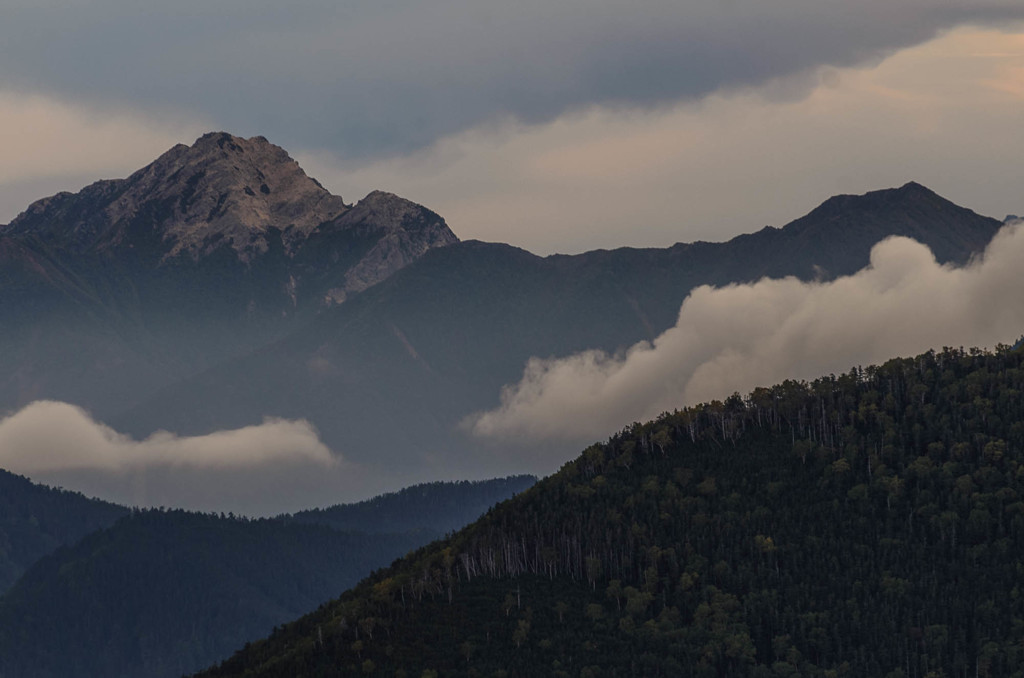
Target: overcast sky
[{"x": 558, "y": 126}]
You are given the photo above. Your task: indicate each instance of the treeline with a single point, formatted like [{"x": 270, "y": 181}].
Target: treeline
[{"x": 867, "y": 524}]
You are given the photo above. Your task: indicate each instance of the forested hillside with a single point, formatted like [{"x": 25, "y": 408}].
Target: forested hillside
[
  {"x": 867, "y": 524},
  {"x": 35, "y": 520},
  {"x": 163, "y": 593}
]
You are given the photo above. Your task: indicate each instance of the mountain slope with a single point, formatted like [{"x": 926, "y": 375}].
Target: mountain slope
[
  {"x": 162, "y": 593},
  {"x": 437, "y": 341},
  {"x": 35, "y": 520},
  {"x": 865, "y": 524},
  {"x": 437, "y": 508}
]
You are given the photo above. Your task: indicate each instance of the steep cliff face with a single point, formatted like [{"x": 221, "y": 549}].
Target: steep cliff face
[{"x": 403, "y": 231}]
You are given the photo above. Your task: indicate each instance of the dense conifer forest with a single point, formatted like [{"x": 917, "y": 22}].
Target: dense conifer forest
[{"x": 866, "y": 524}]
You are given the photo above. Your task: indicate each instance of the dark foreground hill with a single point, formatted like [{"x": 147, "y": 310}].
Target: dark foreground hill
[
  {"x": 437, "y": 341},
  {"x": 163, "y": 593},
  {"x": 869, "y": 524}
]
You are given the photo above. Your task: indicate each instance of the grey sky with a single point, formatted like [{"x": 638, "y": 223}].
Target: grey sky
[{"x": 365, "y": 78}]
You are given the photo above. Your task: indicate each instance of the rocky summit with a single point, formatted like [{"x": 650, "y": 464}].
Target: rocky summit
[
  {"x": 207, "y": 253},
  {"x": 241, "y": 200},
  {"x": 222, "y": 190}
]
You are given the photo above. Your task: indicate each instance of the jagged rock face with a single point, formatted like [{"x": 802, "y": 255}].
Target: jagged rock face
[
  {"x": 229, "y": 192},
  {"x": 406, "y": 232},
  {"x": 222, "y": 190},
  {"x": 244, "y": 198}
]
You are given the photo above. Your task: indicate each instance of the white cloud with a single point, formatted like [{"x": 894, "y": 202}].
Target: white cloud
[
  {"x": 48, "y": 436},
  {"x": 742, "y": 336},
  {"x": 274, "y": 467}
]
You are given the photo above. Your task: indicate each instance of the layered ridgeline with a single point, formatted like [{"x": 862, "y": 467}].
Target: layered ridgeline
[
  {"x": 438, "y": 507},
  {"x": 210, "y": 251},
  {"x": 164, "y": 593},
  {"x": 437, "y": 341},
  {"x": 220, "y": 285},
  {"x": 35, "y": 520},
  {"x": 861, "y": 525}
]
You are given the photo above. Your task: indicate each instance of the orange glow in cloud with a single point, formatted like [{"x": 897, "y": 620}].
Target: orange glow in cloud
[{"x": 945, "y": 113}]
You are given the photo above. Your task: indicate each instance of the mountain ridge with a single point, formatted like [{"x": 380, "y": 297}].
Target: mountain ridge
[
  {"x": 36, "y": 519},
  {"x": 438, "y": 340}
]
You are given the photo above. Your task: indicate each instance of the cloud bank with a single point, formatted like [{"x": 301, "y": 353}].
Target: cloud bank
[
  {"x": 276, "y": 466},
  {"x": 368, "y": 78},
  {"x": 52, "y": 436},
  {"x": 742, "y": 336}
]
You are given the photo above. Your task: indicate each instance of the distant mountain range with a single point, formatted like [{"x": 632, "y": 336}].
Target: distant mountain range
[
  {"x": 436, "y": 341},
  {"x": 220, "y": 284},
  {"x": 163, "y": 593}
]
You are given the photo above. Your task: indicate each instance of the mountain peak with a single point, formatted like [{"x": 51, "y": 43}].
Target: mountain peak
[
  {"x": 914, "y": 187},
  {"x": 225, "y": 187},
  {"x": 193, "y": 199},
  {"x": 229, "y": 150},
  {"x": 911, "y": 197}
]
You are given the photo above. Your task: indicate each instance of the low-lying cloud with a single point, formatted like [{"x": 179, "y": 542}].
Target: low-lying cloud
[
  {"x": 276, "y": 466},
  {"x": 741, "y": 336},
  {"x": 52, "y": 436}
]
